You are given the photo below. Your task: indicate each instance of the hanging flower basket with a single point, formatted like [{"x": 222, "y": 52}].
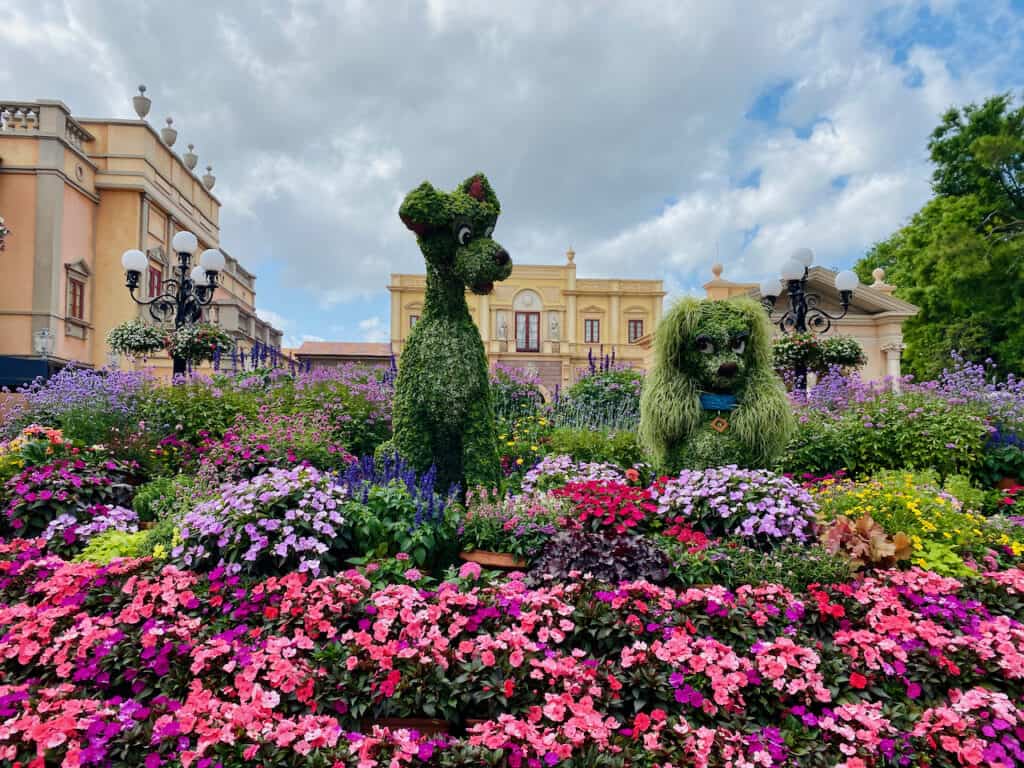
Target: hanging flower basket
[
  {"x": 135, "y": 338},
  {"x": 199, "y": 341}
]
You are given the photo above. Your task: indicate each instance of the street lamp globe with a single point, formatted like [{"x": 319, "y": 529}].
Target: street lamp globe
[
  {"x": 134, "y": 261},
  {"x": 846, "y": 281},
  {"x": 212, "y": 260},
  {"x": 792, "y": 270},
  {"x": 804, "y": 256},
  {"x": 199, "y": 277},
  {"x": 770, "y": 287},
  {"x": 184, "y": 242}
]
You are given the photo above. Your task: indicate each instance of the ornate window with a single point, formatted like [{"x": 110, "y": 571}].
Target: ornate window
[
  {"x": 527, "y": 331},
  {"x": 76, "y": 298},
  {"x": 591, "y": 331},
  {"x": 636, "y": 330},
  {"x": 156, "y": 281},
  {"x": 413, "y": 319}
]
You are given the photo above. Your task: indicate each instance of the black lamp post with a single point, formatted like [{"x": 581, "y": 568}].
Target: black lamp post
[
  {"x": 804, "y": 315},
  {"x": 186, "y": 293}
]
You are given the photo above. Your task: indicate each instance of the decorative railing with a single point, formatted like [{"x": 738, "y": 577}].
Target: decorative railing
[{"x": 19, "y": 117}]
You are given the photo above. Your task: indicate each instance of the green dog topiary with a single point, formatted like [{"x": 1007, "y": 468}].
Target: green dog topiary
[
  {"x": 713, "y": 397},
  {"x": 443, "y": 414}
]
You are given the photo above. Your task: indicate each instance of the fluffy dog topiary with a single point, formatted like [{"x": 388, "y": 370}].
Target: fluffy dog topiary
[
  {"x": 713, "y": 397},
  {"x": 443, "y": 414}
]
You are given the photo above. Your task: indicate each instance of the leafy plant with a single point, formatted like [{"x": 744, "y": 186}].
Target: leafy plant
[
  {"x": 732, "y": 564},
  {"x": 110, "y": 544},
  {"x": 591, "y": 445},
  {"x": 613, "y": 559},
  {"x": 153, "y": 498},
  {"x": 866, "y": 542},
  {"x": 518, "y": 526}
]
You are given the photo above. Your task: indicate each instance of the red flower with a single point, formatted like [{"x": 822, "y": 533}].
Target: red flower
[
  {"x": 510, "y": 687},
  {"x": 605, "y": 505},
  {"x": 858, "y": 681}
]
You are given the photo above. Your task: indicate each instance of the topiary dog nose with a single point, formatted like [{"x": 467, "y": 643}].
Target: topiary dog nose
[
  {"x": 501, "y": 258},
  {"x": 728, "y": 369}
]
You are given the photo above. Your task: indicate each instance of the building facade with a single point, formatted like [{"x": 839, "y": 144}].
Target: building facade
[
  {"x": 875, "y": 317},
  {"x": 546, "y": 319},
  {"x": 76, "y": 193}
]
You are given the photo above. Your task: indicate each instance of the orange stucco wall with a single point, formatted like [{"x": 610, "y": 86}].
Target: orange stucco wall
[
  {"x": 76, "y": 244},
  {"x": 18, "y": 204},
  {"x": 117, "y": 230}
]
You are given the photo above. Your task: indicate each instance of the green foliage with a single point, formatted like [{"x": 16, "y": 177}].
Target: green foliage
[
  {"x": 443, "y": 413},
  {"x": 153, "y": 499},
  {"x": 515, "y": 393},
  {"x": 192, "y": 409},
  {"x": 960, "y": 258},
  {"x": 110, "y": 544},
  {"x": 816, "y": 354},
  {"x": 384, "y": 524},
  {"x": 608, "y": 399},
  {"x": 696, "y": 346},
  {"x": 621, "y": 448},
  {"x": 733, "y": 564},
  {"x": 979, "y": 150},
  {"x": 1002, "y": 461},
  {"x": 890, "y": 431}
]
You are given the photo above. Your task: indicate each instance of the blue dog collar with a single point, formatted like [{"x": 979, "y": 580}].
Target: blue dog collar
[{"x": 710, "y": 401}]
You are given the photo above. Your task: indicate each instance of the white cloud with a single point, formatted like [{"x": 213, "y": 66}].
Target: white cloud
[
  {"x": 619, "y": 129},
  {"x": 375, "y": 329}
]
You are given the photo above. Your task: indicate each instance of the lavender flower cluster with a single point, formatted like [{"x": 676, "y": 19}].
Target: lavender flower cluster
[
  {"x": 557, "y": 470},
  {"x": 279, "y": 521},
  {"x": 754, "y": 503},
  {"x": 66, "y": 529},
  {"x": 115, "y": 391}
]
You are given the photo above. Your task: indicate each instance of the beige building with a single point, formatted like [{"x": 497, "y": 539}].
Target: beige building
[
  {"x": 331, "y": 354},
  {"x": 875, "y": 316},
  {"x": 546, "y": 319},
  {"x": 76, "y": 193}
]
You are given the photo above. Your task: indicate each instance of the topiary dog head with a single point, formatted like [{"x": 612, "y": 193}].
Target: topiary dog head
[
  {"x": 454, "y": 231},
  {"x": 716, "y": 344}
]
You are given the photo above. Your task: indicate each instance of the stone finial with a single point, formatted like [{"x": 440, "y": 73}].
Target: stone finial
[
  {"x": 190, "y": 158},
  {"x": 141, "y": 103},
  {"x": 716, "y": 270},
  {"x": 208, "y": 178},
  {"x": 570, "y": 255},
  {"x": 880, "y": 285},
  {"x": 168, "y": 133}
]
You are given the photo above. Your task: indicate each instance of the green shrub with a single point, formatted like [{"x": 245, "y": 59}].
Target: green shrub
[
  {"x": 154, "y": 498},
  {"x": 194, "y": 409},
  {"x": 889, "y": 431},
  {"x": 601, "y": 399},
  {"x": 590, "y": 445},
  {"x": 110, "y": 544},
  {"x": 732, "y": 565},
  {"x": 515, "y": 392}
]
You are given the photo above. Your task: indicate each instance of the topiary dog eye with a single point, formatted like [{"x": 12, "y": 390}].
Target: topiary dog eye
[
  {"x": 738, "y": 345},
  {"x": 463, "y": 233},
  {"x": 705, "y": 345}
]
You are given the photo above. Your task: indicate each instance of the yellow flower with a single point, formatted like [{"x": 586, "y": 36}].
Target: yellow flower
[
  {"x": 511, "y": 442},
  {"x": 534, "y": 448},
  {"x": 519, "y": 462},
  {"x": 159, "y": 552}
]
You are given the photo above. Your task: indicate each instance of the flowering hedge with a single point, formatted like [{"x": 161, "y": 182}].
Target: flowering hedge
[{"x": 172, "y": 667}]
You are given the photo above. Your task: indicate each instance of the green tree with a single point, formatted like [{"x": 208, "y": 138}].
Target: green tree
[
  {"x": 969, "y": 287},
  {"x": 979, "y": 150},
  {"x": 960, "y": 257}
]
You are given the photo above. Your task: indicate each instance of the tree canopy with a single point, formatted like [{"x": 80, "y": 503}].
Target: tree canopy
[{"x": 961, "y": 256}]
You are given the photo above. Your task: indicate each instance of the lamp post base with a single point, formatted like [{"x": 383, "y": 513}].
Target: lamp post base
[{"x": 180, "y": 366}]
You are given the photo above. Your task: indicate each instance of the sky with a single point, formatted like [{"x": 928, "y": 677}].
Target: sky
[{"x": 653, "y": 137}]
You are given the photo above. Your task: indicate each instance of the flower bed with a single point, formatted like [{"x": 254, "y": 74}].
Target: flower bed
[{"x": 898, "y": 668}]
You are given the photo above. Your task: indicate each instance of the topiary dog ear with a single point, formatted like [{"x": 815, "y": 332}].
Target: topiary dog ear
[
  {"x": 424, "y": 210},
  {"x": 479, "y": 188}
]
